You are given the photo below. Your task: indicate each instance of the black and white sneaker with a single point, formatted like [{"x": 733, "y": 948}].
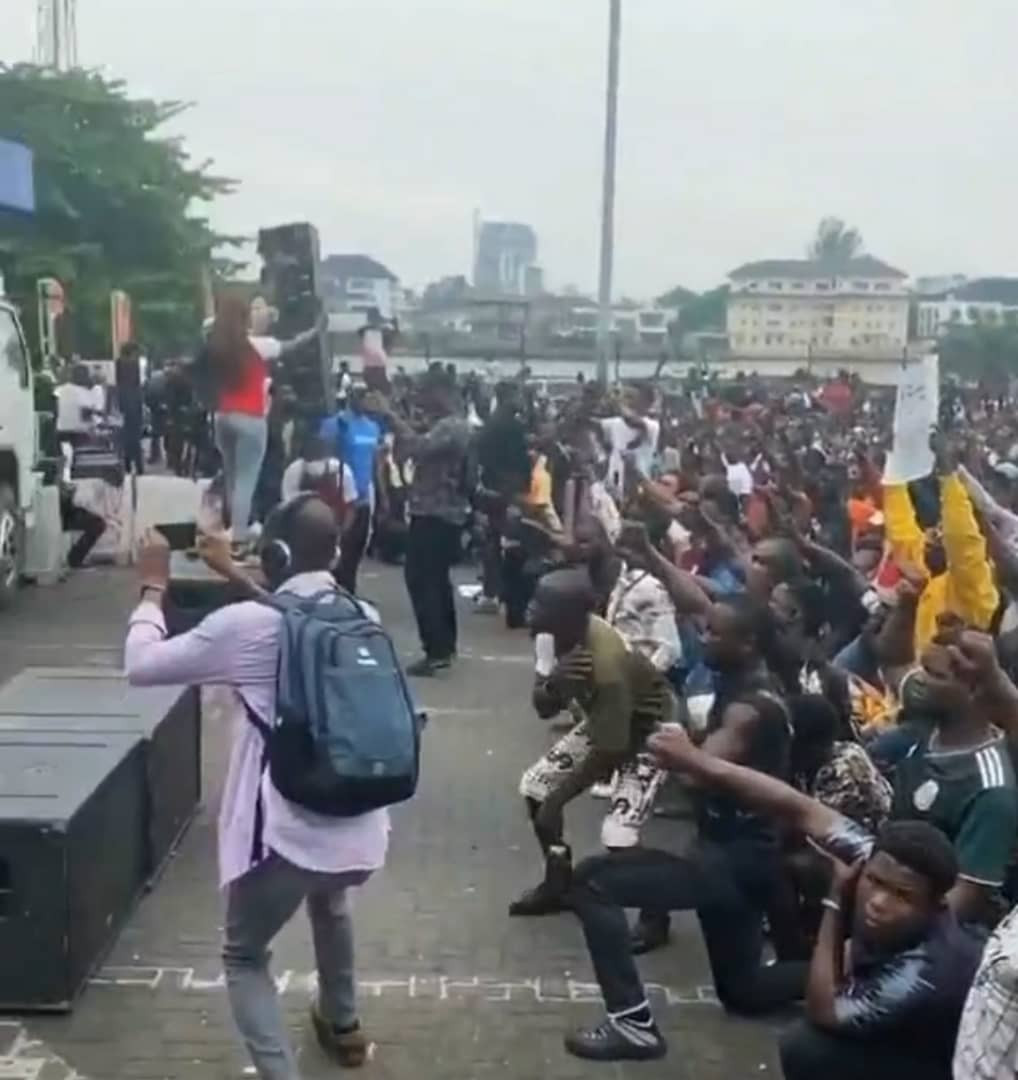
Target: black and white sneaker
[
  {"x": 427, "y": 668},
  {"x": 618, "y": 1039}
]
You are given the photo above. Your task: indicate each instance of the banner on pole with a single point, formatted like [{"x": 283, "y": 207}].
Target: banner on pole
[{"x": 916, "y": 410}]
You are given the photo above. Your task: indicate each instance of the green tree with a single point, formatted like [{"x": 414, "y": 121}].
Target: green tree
[
  {"x": 835, "y": 241},
  {"x": 982, "y": 353},
  {"x": 117, "y": 208},
  {"x": 707, "y": 312},
  {"x": 677, "y": 297}
]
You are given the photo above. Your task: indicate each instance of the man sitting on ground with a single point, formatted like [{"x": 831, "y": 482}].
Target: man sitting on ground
[{"x": 888, "y": 1006}]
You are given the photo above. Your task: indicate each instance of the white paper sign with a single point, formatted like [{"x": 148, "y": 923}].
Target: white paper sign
[{"x": 916, "y": 409}]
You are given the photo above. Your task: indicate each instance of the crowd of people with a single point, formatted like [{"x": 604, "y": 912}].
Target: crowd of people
[{"x": 732, "y": 611}]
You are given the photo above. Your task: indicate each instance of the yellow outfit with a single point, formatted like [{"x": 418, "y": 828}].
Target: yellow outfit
[
  {"x": 537, "y": 501},
  {"x": 966, "y": 589}
]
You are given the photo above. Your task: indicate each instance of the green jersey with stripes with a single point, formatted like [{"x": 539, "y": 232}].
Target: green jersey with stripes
[{"x": 970, "y": 795}]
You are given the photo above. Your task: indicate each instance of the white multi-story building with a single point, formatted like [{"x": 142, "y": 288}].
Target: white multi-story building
[
  {"x": 803, "y": 309},
  {"x": 358, "y": 284},
  {"x": 981, "y": 302},
  {"x": 632, "y": 324}
]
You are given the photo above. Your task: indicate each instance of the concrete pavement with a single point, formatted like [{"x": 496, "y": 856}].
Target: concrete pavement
[{"x": 451, "y": 987}]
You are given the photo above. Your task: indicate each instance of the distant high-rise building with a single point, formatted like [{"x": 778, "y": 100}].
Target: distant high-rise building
[{"x": 505, "y": 258}]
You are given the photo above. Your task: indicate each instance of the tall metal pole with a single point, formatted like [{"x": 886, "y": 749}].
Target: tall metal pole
[{"x": 604, "y": 291}]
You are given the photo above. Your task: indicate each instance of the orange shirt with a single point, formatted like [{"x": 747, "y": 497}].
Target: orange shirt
[{"x": 860, "y": 513}]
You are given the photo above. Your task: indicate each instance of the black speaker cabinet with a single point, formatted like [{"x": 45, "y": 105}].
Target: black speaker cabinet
[
  {"x": 291, "y": 257},
  {"x": 99, "y": 701},
  {"x": 194, "y": 592},
  {"x": 72, "y": 859}
]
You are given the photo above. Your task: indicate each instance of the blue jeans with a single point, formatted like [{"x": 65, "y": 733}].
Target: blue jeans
[
  {"x": 241, "y": 439},
  {"x": 258, "y": 906}
]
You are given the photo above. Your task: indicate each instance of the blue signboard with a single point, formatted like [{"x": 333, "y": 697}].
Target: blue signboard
[{"x": 17, "y": 183}]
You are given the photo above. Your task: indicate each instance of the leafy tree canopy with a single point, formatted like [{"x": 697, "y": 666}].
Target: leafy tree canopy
[
  {"x": 117, "y": 208},
  {"x": 706, "y": 312},
  {"x": 983, "y": 353},
  {"x": 835, "y": 241},
  {"x": 677, "y": 297}
]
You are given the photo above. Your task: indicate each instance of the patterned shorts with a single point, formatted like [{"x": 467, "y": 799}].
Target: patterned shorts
[{"x": 634, "y": 785}]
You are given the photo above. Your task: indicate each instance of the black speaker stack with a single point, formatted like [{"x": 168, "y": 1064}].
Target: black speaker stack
[
  {"x": 98, "y": 781},
  {"x": 290, "y": 254}
]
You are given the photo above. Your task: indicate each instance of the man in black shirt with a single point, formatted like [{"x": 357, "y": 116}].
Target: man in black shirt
[
  {"x": 504, "y": 465},
  {"x": 892, "y": 1011},
  {"x": 728, "y": 879}
]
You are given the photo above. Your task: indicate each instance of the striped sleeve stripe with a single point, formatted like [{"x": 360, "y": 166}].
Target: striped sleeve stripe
[{"x": 991, "y": 768}]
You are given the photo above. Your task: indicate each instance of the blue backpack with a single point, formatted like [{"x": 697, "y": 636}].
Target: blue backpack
[{"x": 346, "y": 736}]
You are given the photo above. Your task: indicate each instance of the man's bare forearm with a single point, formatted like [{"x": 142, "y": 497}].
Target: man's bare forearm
[
  {"x": 682, "y": 587},
  {"x": 825, "y": 969},
  {"x": 761, "y": 792}
]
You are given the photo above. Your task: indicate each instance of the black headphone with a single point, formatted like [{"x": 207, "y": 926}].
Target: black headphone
[{"x": 276, "y": 554}]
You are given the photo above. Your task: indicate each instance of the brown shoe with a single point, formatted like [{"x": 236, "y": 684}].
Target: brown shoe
[{"x": 347, "y": 1048}]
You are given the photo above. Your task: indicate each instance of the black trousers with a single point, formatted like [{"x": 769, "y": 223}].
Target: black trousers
[
  {"x": 517, "y": 586},
  {"x": 352, "y": 547},
  {"x": 491, "y": 551},
  {"x": 91, "y": 526},
  {"x": 433, "y": 546},
  {"x": 131, "y": 442},
  {"x": 807, "y": 1052},
  {"x": 728, "y": 900}
]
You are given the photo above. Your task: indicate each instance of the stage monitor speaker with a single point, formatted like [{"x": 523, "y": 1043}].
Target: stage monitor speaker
[
  {"x": 98, "y": 701},
  {"x": 72, "y": 859},
  {"x": 194, "y": 592},
  {"x": 291, "y": 259}
]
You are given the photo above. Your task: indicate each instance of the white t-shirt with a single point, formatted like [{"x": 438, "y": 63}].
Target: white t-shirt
[
  {"x": 619, "y": 435},
  {"x": 72, "y": 400},
  {"x": 740, "y": 479},
  {"x": 296, "y": 471},
  {"x": 268, "y": 348}
]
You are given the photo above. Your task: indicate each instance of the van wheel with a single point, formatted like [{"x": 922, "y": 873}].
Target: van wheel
[{"x": 11, "y": 545}]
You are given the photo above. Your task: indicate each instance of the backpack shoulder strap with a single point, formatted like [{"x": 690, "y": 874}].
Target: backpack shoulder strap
[
  {"x": 257, "y": 722},
  {"x": 285, "y": 602}
]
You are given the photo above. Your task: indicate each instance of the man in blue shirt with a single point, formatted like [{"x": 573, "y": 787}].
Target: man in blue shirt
[{"x": 356, "y": 438}]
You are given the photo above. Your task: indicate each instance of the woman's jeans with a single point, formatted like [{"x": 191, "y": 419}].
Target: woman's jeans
[{"x": 241, "y": 439}]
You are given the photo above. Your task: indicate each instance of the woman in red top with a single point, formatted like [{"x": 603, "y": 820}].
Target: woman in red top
[{"x": 239, "y": 363}]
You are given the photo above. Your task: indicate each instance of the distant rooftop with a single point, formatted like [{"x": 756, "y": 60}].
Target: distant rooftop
[
  {"x": 362, "y": 266},
  {"x": 989, "y": 290},
  {"x": 860, "y": 266}
]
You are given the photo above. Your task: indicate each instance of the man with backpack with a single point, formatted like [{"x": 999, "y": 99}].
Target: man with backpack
[{"x": 324, "y": 738}]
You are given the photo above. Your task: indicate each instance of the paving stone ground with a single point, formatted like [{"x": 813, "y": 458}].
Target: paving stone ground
[{"x": 452, "y": 989}]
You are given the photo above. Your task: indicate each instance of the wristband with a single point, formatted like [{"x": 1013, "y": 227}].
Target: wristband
[
  {"x": 830, "y": 904},
  {"x": 160, "y": 589}
]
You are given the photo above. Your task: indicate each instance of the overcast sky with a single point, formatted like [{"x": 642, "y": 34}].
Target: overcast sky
[{"x": 386, "y": 122}]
